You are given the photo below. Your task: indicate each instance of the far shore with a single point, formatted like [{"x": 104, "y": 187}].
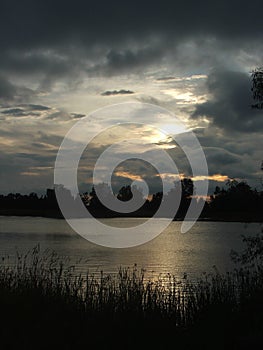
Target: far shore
[{"x": 222, "y": 217}]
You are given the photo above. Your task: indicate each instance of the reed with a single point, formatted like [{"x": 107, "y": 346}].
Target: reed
[{"x": 42, "y": 292}]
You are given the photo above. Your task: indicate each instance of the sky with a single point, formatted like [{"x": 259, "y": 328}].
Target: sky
[{"x": 61, "y": 61}]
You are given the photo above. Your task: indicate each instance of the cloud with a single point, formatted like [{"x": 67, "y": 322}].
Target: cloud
[
  {"x": 25, "y": 110},
  {"x": 65, "y": 54},
  {"x": 172, "y": 177},
  {"x": 10, "y": 92},
  {"x": 222, "y": 158},
  {"x": 19, "y": 112},
  {"x": 117, "y": 92},
  {"x": 87, "y": 22},
  {"x": 181, "y": 79},
  {"x": 128, "y": 175},
  {"x": 236, "y": 155},
  {"x": 107, "y": 38},
  {"x": 77, "y": 115},
  {"x": 229, "y": 104},
  {"x": 7, "y": 90},
  {"x": 13, "y": 111},
  {"x": 18, "y": 174},
  {"x": 122, "y": 60},
  {"x": 34, "y": 107},
  {"x": 29, "y": 173}
]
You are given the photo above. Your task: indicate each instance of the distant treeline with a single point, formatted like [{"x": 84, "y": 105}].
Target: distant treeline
[
  {"x": 236, "y": 201},
  {"x": 31, "y": 204}
]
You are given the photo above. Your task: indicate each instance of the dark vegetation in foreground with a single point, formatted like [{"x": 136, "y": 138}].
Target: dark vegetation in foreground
[
  {"x": 45, "y": 305},
  {"x": 236, "y": 201}
]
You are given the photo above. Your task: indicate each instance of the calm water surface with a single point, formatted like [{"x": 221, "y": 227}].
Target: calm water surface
[{"x": 205, "y": 245}]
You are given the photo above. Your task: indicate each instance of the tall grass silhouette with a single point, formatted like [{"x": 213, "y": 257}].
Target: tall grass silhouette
[{"x": 41, "y": 292}]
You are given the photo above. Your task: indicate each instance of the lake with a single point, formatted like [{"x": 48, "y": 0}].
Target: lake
[{"x": 197, "y": 251}]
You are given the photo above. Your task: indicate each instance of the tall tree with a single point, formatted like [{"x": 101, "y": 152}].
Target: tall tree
[{"x": 257, "y": 87}]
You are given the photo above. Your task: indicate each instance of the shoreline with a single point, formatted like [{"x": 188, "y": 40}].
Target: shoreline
[{"x": 231, "y": 217}]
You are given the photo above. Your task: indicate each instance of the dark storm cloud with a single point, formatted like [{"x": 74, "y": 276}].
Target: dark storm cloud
[
  {"x": 117, "y": 92},
  {"x": 56, "y": 38},
  {"x": 7, "y": 90},
  {"x": 24, "y": 110},
  {"x": 237, "y": 156},
  {"x": 119, "y": 61},
  {"x": 212, "y": 136},
  {"x": 221, "y": 157},
  {"x": 13, "y": 111},
  {"x": 20, "y": 172},
  {"x": 10, "y": 92},
  {"x": 227, "y": 163},
  {"x": 19, "y": 112},
  {"x": 229, "y": 104},
  {"x": 23, "y": 61},
  {"x": 46, "y": 24}
]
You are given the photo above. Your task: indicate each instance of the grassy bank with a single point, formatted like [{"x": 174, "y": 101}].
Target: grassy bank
[{"x": 45, "y": 305}]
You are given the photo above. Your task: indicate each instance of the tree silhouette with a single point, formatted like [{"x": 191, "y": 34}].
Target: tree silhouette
[
  {"x": 257, "y": 87},
  {"x": 187, "y": 187},
  {"x": 239, "y": 197},
  {"x": 125, "y": 193},
  {"x": 236, "y": 202}
]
